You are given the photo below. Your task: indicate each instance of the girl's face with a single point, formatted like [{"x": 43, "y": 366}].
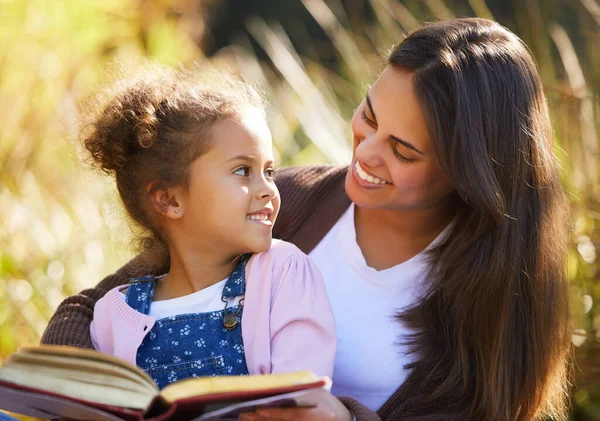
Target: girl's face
[
  {"x": 231, "y": 203},
  {"x": 394, "y": 166}
]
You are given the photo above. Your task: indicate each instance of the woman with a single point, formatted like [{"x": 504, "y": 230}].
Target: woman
[{"x": 442, "y": 244}]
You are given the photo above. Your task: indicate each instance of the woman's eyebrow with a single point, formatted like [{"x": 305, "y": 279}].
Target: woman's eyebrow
[
  {"x": 405, "y": 143},
  {"x": 397, "y": 139}
]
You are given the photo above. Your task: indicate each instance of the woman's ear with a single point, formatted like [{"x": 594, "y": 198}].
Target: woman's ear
[{"x": 164, "y": 200}]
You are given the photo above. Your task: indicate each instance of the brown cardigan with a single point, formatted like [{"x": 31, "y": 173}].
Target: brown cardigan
[{"x": 313, "y": 199}]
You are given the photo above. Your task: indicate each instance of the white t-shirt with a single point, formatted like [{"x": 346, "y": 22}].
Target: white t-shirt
[
  {"x": 203, "y": 301},
  {"x": 369, "y": 362}
]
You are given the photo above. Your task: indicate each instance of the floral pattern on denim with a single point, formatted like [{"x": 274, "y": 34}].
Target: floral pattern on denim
[{"x": 191, "y": 345}]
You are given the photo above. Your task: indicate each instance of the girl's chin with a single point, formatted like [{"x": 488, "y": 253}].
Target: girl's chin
[{"x": 262, "y": 245}]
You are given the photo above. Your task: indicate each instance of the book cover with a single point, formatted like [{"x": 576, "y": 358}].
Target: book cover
[{"x": 56, "y": 381}]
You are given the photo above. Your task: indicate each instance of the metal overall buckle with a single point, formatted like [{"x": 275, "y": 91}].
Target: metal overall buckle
[{"x": 230, "y": 320}]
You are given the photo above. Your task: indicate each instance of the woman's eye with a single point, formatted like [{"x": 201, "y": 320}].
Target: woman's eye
[
  {"x": 399, "y": 155},
  {"x": 243, "y": 171},
  {"x": 269, "y": 173},
  {"x": 367, "y": 119}
]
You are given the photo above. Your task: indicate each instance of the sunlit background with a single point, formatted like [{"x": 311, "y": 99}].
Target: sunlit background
[{"x": 61, "y": 229}]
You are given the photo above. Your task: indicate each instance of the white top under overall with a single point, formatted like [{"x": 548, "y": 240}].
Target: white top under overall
[
  {"x": 203, "y": 301},
  {"x": 367, "y": 370}
]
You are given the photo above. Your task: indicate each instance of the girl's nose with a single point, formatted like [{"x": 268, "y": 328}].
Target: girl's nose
[{"x": 266, "y": 189}]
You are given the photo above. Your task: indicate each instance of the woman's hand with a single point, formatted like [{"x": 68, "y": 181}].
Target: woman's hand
[{"x": 329, "y": 409}]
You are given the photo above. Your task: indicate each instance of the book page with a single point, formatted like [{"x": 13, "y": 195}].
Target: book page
[
  {"x": 106, "y": 394},
  {"x": 81, "y": 354},
  {"x": 233, "y": 384},
  {"x": 85, "y": 370}
]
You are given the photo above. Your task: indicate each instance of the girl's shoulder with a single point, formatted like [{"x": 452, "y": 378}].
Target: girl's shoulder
[
  {"x": 280, "y": 252},
  {"x": 112, "y": 301},
  {"x": 283, "y": 273},
  {"x": 282, "y": 261}
]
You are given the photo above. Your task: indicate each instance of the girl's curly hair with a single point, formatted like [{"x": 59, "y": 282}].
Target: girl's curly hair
[{"x": 151, "y": 127}]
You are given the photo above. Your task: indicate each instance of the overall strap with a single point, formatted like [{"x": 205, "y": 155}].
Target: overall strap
[
  {"x": 141, "y": 293},
  {"x": 236, "y": 283},
  {"x": 235, "y": 287}
]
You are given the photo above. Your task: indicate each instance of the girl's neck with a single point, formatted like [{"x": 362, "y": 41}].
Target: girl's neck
[
  {"x": 390, "y": 237},
  {"x": 192, "y": 270}
]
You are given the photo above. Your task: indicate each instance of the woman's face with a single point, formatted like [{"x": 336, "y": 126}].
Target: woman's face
[{"x": 394, "y": 166}]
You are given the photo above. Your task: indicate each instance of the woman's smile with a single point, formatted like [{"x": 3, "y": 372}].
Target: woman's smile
[
  {"x": 365, "y": 175},
  {"x": 365, "y": 179}
]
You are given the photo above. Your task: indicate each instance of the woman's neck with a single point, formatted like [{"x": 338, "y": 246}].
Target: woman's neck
[
  {"x": 192, "y": 270},
  {"x": 390, "y": 237}
]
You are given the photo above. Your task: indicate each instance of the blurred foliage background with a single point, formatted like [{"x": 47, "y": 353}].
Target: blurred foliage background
[{"x": 61, "y": 229}]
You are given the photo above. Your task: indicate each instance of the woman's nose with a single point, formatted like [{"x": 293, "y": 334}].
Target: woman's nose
[{"x": 369, "y": 151}]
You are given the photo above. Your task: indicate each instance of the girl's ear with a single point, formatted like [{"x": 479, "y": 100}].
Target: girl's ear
[{"x": 165, "y": 200}]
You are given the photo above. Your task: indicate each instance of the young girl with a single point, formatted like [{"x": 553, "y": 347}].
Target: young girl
[{"x": 193, "y": 165}]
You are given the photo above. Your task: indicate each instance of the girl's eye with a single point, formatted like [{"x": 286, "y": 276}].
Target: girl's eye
[
  {"x": 269, "y": 173},
  {"x": 243, "y": 171},
  {"x": 367, "y": 119}
]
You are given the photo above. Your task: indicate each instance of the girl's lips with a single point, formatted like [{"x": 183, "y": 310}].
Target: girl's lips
[
  {"x": 266, "y": 221},
  {"x": 263, "y": 211},
  {"x": 261, "y": 217}
]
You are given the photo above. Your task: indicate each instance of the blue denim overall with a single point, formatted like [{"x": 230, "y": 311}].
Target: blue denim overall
[{"x": 195, "y": 344}]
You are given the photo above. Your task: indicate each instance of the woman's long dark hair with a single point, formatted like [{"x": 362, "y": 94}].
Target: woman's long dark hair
[{"x": 493, "y": 332}]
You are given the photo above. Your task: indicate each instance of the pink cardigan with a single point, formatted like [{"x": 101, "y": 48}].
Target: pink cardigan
[{"x": 287, "y": 322}]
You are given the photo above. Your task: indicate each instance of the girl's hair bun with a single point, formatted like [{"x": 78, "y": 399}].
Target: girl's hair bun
[{"x": 127, "y": 123}]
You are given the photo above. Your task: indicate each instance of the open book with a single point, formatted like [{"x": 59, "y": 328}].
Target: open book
[{"x": 81, "y": 384}]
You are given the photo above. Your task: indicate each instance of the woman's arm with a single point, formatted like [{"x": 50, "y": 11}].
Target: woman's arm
[{"x": 70, "y": 324}]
